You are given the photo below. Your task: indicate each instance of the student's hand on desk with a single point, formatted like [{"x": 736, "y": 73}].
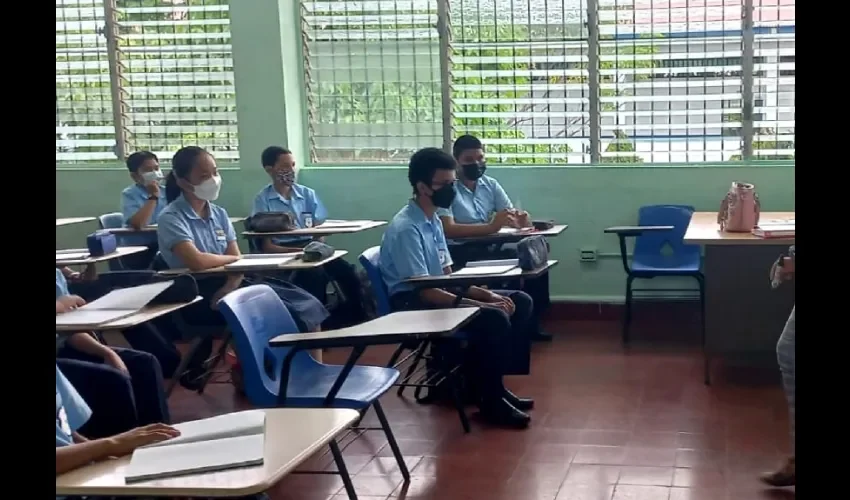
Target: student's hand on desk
[
  {"x": 125, "y": 443},
  {"x": 523, "y": 219},
  {"x": 503, "y": 218},
  {"x": 114, "y": 360},
  {"x": 69, "y": 303}
]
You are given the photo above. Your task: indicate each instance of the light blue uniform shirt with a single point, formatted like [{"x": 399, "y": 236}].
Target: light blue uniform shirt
[
  {"x": 477, "y": 207},
  {"x": 61, "y": 284},
  {"x": 71, "y": 410},
  {"x": 413, "y": 245},
  {"x": 302, "y": 200},
  {"x": 179, "y": 222},
  {"x": 132, "y": 199}
]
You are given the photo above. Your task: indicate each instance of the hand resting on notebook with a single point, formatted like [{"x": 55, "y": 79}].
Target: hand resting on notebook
[{"x": 83, "y": 451}]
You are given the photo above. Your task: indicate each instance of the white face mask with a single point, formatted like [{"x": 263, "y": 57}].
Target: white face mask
[
  {"x": 209, "y": 189},
  {"x": 152, "y": 176}
]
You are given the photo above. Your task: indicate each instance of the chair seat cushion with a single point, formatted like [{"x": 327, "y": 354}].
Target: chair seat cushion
[
  {"x": 659, "y": 265},
  {"x": 308, "y": 387}
]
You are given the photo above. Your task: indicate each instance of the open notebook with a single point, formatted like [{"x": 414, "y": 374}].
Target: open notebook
[
  {"x": 487, "y": 267},
  {"x": 213, "y": 444},
  {"x": 255, "y": 261},
  {"x": 112, "y": 306}
]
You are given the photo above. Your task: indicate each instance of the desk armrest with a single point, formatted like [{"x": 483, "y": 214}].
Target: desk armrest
[
  {"x": 634, "y": 231},
  {"x": 337, "y": 338}
]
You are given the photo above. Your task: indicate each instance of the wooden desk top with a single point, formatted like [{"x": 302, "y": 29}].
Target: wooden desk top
[
  {"x": 119, "y": 252},
  {"x": 512, "y": 237},
  {"x": 447, "y": 280},
  {"x": 292, "y": 436},
  {"x": 293, "y": 265},
  {"x": 390, "y": 329},
  {"x": 326, "y": 229},
  {"x": 73, "y": 220},
  {"x": 704, "y": 230},
  {"x": 143, "y": 316},
  {"x": 152, "y": 227}
]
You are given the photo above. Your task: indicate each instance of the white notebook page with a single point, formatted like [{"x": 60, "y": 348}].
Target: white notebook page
[
  {"x": 483, "y": 270},
  {"x": 243, "y": 423}
]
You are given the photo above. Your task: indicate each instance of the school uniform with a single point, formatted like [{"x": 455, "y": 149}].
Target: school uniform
[
  {"x": 304, "y": 203},
  {"x": 132, "y": 199},
  {"x": 415, "y": 245},
  {"x": 477, "y": 207},
  {"x": 179, "y": 223}
]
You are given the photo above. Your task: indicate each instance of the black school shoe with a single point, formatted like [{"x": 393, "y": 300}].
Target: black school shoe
[
  {"x": 541, "y": 336},
  {"x": 501, "y": 413},
  {"x": 522, "y": 404}
]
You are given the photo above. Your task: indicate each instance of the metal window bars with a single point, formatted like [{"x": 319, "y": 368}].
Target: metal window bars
[{"x": 143, "y": 74}]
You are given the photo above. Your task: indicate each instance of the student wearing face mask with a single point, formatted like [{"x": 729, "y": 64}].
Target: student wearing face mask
[
  {"x": 283, "y": 194},
  {"x": 481, "y": 208},
  {"x": 141, "y": 204},
  {"x": 414, "y": 245},
  {"x": 195, "y": 233}
]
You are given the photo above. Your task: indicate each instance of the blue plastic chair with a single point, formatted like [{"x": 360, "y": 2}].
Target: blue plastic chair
[
  {"x": 369, "y": 260},
  {"x": 112, "y": 220},
  {"x": 290, "y": 378},
  {"x": 660, "y": 254}
]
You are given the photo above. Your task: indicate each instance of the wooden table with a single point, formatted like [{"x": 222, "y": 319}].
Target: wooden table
[
  {"x": 390, "y": 329},
  {"x": 73, "y": 220},
  {"x": 152, "y": 228},
  {"x": 510, "y": 237},
  {"x": 448, "y": 280},
  {"x": 327, "y": 229},
  {"x": 75, "y": 261},
  {"x": 293, "y": 265},
  {"x": 292, "y": 436},
  {"x": 744, "y": 315}
]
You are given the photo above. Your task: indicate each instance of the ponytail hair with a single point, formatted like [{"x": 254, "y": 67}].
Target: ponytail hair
[
  {"x": 181, "y": 165},
  {"x": 172, "y": 190}
]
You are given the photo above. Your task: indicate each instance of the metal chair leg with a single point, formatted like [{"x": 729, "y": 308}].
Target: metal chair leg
[
  {"x": 343, "y": 470},
  {"x": 627, "y": 314},
  {"x": 379, "y": 411},
  {"x": 703, "y": 337}
]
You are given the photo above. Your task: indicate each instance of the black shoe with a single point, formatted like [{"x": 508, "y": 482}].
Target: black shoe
[
  {"x": 503, "y": 414},
  {"x": 522, "y": 404},
  {"x": 541, "y": 336}
]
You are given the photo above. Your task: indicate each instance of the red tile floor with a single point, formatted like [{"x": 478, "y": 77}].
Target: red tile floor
[{"x": 607, "y": 425}]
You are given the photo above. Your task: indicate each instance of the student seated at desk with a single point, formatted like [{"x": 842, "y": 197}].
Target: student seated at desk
[
  {"x": 123, "y": 384},
  {"x": 196, "y": 234},
  {"x": 481, "y": 208},
  {"x": 75, "y": 450},
  {"x": 414, "y": 245},
  {"x": 141, "y": 204},
  {"x": 285, "y": 195}
]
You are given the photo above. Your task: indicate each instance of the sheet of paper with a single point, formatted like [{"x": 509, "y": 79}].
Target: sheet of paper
[
  {"x": 243, "y": 423},
  {"x": 482, "y": 270},
  {"x": 92, "y": 317},
  {"x": 72, "y": 255},
  {"x": 343, "y": 223},
  {"x": 488, "y": 263},
  {"x": 255, "y": 263},
  {"x": 133, "y": 298},
  {"x": 195, "y": 458},
  {"x": 513, "y": 230},
  {"x": 265, "y": 256}
]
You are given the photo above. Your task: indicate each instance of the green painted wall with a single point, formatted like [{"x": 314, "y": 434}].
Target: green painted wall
[{"x": 588, "y": 199}]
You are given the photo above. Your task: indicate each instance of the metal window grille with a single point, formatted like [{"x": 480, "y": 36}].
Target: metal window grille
[
  {"x": 156, "y": 75},
  {"x": 565, "y": 81},
  {"x": 374, "y": 78}
]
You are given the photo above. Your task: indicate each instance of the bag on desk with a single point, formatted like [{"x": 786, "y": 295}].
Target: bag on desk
[
  {"x": 270, "y": 222},
  {"x": 316, "y": 251},
  {"x": 740, "y": 209},
  {"x": 532, "y": 252},
  {"x": 101, "y": 243}
]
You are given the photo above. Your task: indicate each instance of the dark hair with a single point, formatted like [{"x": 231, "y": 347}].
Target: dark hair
[
  {"x": 465, "y": 142},
  {"x": 425, "y": 162},
  {"x": 271, "y": 154},
  {"x": 181, "y": 165},
  {"x": 137, "y": 159}
]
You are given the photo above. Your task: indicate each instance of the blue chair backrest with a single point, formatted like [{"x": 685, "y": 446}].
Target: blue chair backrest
[
  {"x": 254, "y": 315},
  {"x": 369, "y": 261},
  {"x": 653, "y": 243},
  {"x": 112, "y": 220}
]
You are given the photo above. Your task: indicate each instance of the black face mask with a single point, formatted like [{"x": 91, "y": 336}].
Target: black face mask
[
  {"x": 443, "y": 197},
  {"x": 474, "y": 171}
]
